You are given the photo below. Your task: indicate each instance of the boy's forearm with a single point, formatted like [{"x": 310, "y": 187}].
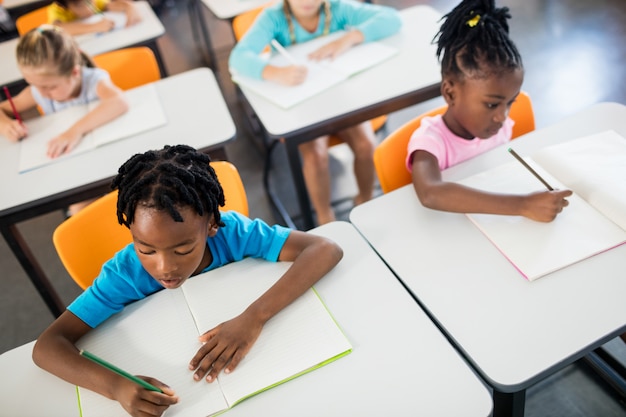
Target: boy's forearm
[
  {"x": 311, "y": 265},
  {"x": 56, "y": 353}
]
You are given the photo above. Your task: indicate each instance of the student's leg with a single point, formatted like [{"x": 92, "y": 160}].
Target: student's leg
[
  {"x": 76, "y": 207},
  {"x": 317, "y": 177},
  {"x": 361, "y": 140}
]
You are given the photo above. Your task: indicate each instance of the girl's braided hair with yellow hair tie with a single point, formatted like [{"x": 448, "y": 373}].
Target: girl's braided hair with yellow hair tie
[{"x": 475, "y": 37}]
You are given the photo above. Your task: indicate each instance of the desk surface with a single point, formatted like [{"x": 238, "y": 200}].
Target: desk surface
[
  {"x": 400, "y": 364},
  {"x": 12, "y": 4},
  {"x": 203, "y": 123},
  {"x": 227, "y": 9},
  {"x": 415, "y": 67},
  {"x": 145, "y": 31},
  {"x": 514, "y": 332}
]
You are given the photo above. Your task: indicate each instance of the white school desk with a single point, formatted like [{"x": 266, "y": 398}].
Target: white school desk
[
  {"x": 204, "y": 123},
  {"x": 221, "y": 9},
  {"x": 408, "y": 78},
  {"x": 514, "y": 332},
  {"x": 143, "y": 33},
  {"x": 401, "y": 364}
]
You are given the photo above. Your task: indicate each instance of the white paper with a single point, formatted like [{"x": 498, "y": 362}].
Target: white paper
[
  {"x": 536, "y": 248},
  {"x": 158, "y": 336},
  {"x": 145, "y": 113},
  {"x": 595, "y": 167},
  {"x": 321, "y": 75}
]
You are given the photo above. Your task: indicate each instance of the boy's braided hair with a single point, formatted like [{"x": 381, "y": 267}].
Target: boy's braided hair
[
  {"x": 168, "y": 179},
  {"x": 475, "y": 39}
]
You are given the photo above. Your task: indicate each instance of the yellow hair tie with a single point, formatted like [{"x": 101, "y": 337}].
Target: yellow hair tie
[{"x": 473, "y": 21}]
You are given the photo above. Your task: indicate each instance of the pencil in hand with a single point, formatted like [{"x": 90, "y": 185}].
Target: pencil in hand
[
  {"x": 119, "y": 371},
  {"x": 13, "y": 108},
  {"x": 529, "y": 168}
]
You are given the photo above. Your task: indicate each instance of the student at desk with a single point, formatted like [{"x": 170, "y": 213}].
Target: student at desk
[
  {"x": 170, "y": 199},
  {"x": 73, "y": 16},
  {"x": 60, "y": 76},
  {"x": 293, "y": 21},
  {"x": 482, "y": 74}
]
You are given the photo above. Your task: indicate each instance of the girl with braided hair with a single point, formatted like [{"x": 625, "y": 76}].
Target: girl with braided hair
[
  {"x": 482, "y": 74},
  {"x": 170, "y": 200},
  {"x": 293, "y": 21}
]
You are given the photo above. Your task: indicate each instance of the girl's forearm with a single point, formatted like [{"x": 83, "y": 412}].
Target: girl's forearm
[
  {"x": 458, "y": 198},
  {"x": 106, "y": 111}
]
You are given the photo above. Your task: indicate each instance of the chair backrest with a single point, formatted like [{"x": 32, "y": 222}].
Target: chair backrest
[
  {"x": 31, "y": 20},
  {"x": 242, "y": 22},
  {"x": 390, "y": 154},
  {"x": 88, "y": 239},
  {"x": 130, "y": 67}
]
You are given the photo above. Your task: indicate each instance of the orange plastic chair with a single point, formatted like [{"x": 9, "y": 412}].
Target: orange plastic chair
[
  {"x": 88, "y": 239},
  {"x": 240, "y": 25},
  {"x": 31, "y": 20},
  {"x": 390, "y": 154},
  {"x": 130, "y": 67}
]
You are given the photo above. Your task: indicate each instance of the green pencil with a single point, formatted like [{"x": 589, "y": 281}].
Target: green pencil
[{"x": 119, "y": 371}]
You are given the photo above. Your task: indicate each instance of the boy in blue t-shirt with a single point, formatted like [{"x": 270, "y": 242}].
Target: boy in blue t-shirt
[{"x": 170, "y": 199}]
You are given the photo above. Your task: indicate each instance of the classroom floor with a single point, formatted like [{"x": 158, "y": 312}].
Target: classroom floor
[{"x": 574, "y": 57}]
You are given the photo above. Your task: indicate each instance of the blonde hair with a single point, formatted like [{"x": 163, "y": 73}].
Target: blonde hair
[
  {"x": 52, "y": 50},
  {"x": 289, "y": 16}
]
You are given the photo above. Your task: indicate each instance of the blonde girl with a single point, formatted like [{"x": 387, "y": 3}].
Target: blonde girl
[{"x": 60, "y": 76}]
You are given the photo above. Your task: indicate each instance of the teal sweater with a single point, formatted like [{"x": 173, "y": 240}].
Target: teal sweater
[{"x": 373, "y": 21}]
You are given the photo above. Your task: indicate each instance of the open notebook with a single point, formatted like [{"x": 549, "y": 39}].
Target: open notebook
[
  {"x": 321, "y": 75},
  {"x": 158, "y": 336},
  {"x": 594, "y": 168},
  {"x": 145, "y": 113}
]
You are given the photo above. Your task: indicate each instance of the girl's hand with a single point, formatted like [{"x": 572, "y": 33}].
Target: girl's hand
[
  {"x": 13, "y": 130},
  {"x": 224, "y": 347},
  {"x": 138, "y": 401},
  {"x": 64, "y": 143},
  {"x": 104, "y": 25},
  {"x": 132, "y": 16},
  {"x": 546, "y": 205},
  {"x": 337, "y": 47},
  {"x": 291, "y": 75}
]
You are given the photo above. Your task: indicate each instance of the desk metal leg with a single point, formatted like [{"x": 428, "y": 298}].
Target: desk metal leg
[
  {"x": 195, "y": 9},
  {"x": 39, "y": 279},
  {"x": 293, "y": 155},
  {"x": 157, "y": 54},
  {"x": 509, "y": 404}
]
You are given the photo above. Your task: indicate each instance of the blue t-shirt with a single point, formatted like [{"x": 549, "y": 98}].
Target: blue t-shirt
[
  {"x": 124, "y": 280},
  {"x": 374, "y": 21},
  {"x": 90, "y": 77}
]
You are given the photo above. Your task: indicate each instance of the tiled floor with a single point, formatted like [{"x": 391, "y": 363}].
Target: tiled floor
[{"x": 574, "y": 56}]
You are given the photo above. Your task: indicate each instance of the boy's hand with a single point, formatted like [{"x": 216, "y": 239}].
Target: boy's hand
[
  {"x": 546, "y": 205},
  {"x": 224, "y": 347},
  {"x": 13, "y": 130},
  {"x": 138, "y": 401},
  {"x": 62, "y": 144}
]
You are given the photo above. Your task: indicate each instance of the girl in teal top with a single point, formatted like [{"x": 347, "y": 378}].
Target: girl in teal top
[{"x": 297, "y": 21}]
